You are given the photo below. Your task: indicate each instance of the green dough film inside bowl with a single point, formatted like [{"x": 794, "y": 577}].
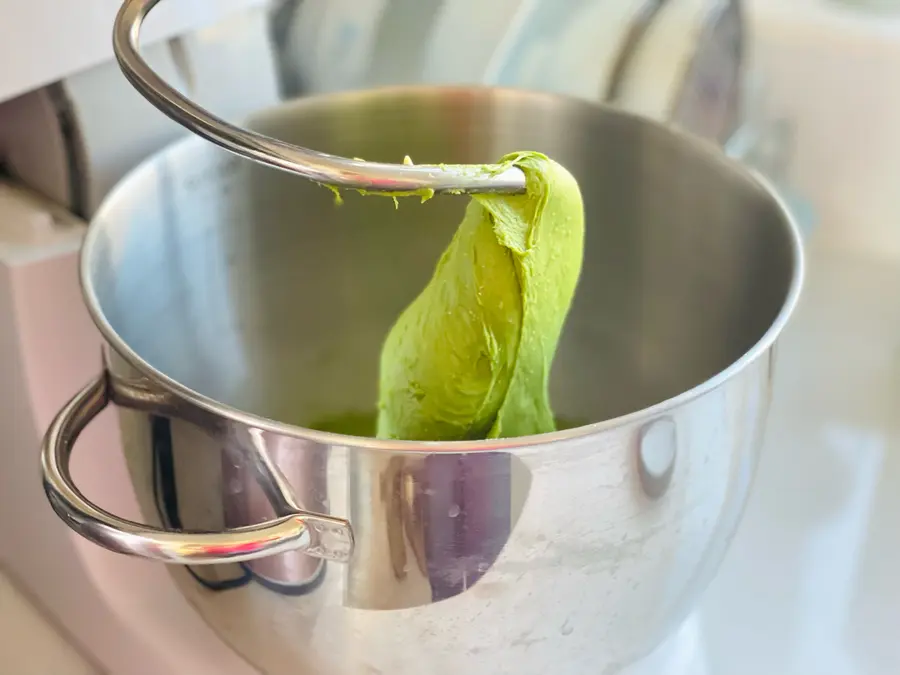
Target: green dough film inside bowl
[
  {"x": 470, "y": 357},
  {"x": 364, "y": 424}
]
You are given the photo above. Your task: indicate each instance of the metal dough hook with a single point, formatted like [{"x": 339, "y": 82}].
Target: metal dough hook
[{"x": 316, "y": 166}]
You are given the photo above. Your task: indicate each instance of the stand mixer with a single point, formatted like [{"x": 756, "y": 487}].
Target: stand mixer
[{"x": 622, "y": 68}]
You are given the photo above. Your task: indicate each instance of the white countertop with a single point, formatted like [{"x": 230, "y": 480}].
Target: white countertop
[{"x": 811, "y": 584}]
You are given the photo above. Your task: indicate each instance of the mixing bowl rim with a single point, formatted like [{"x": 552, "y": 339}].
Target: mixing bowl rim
[{"x": 210, "y": 405}]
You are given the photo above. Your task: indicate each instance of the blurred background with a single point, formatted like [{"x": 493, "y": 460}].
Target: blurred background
[{"x": 806, "y": 92}]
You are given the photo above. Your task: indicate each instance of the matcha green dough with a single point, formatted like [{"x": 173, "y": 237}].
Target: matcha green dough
[{"x": 470, "y": 358}]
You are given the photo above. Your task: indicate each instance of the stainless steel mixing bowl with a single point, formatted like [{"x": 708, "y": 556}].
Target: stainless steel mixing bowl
[{"x": 242, "y": 307}]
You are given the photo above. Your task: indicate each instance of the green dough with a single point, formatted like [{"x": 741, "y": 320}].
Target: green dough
[{"x": 470, "y": 358}]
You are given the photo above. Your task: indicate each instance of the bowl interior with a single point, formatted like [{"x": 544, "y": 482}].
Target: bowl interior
[{"x": 251, "y": 287}]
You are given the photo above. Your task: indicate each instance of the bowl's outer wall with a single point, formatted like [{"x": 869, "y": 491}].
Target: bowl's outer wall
[{"x": 250, "y": 288}]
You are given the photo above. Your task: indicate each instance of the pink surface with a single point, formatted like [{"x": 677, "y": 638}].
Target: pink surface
[{"x": 124, "y": 612}]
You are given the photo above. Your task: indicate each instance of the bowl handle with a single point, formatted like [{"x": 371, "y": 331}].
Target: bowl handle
[{"x": 317, "y": 535}]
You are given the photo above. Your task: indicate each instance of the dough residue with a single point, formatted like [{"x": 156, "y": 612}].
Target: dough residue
[{"x": 470, "y": 357}]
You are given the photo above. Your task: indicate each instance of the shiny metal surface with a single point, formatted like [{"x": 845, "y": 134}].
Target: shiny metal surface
[
  {"x": 637, "y": 30},
  {"x": 711, "y": 99},
  {"x": 327, "y": 169},
  {"x": 251, "y": 300},
  {"x": 294, "y": 530},
  {"x": 702, "y": 44}
]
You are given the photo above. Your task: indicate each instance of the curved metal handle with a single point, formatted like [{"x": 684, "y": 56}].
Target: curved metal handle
[
  {"x": 316, "y": 166},
  {"x": 319, "y": 536}
]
